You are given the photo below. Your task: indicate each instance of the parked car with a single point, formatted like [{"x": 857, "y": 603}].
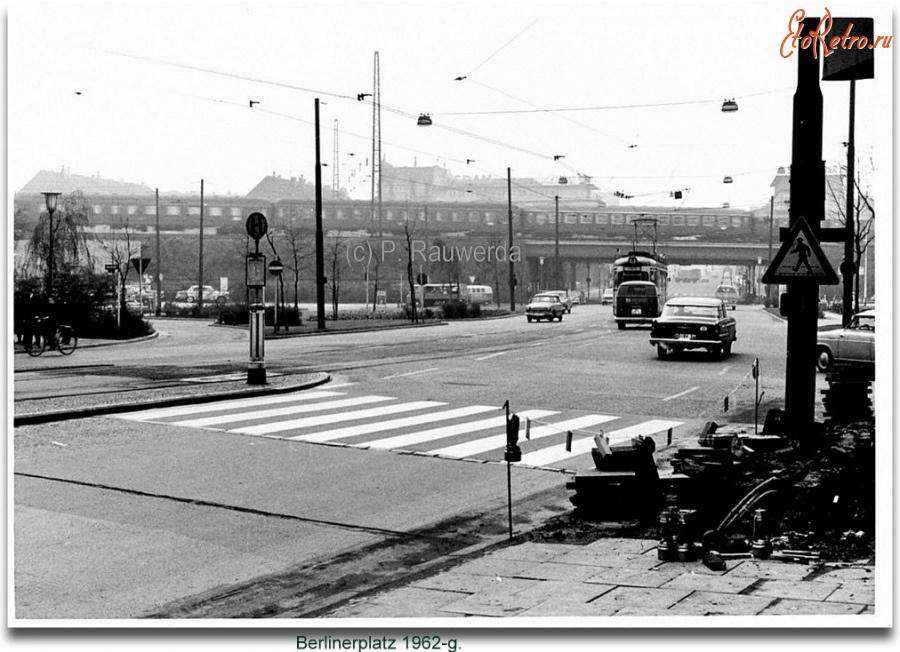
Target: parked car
[
  {"x": 728, "y": 294},
  {"x": 693, "y": 323},
  {"x": 853, "y": 346},
  {"x": 607, "y": 297},
  {"x": 545, "y": 306},
  {"x": 564, "y": 296},
  {"x": 210, "y": 294}
]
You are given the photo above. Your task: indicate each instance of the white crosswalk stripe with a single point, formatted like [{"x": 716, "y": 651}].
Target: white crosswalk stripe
[
  {"x": 489, "y": 443},
  {"x": 327, "y": 419},
  {"x": 282, "y": 412},
  {"x": 369, "y": 428},
  {"x": 548, "y": 456},
  {"x": 382, "y": 422},
  {"x": 401, "y": 441},
  {"x": 219, "y": 406}
]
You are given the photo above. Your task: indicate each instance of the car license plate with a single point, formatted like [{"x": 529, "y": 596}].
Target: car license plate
[
  {"x": 635, "y": 311},
  {"x": 684, "y": 336}
]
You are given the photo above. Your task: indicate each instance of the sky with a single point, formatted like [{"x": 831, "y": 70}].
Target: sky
[{"x": 628, "y": 94}]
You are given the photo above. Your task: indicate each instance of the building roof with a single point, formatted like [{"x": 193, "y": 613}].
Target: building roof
[{"x": 66, "y": 183}]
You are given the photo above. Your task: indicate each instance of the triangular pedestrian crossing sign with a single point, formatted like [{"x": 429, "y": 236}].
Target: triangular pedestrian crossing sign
[{"x": 800, "y": 258}]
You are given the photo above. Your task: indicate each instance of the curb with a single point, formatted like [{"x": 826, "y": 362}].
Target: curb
[
  {"x": 145, "y": 338},
  {"x": 175, "y": 401}
]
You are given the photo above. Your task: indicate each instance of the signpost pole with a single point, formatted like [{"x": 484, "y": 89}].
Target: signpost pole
[
  {"x": 807, "y": 201},
  {"x": 256, "y": 283}
]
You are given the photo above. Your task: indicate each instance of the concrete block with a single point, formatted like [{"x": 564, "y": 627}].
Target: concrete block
[
  {"x": 567, "y": 609},
  {"x": 497, "y": 606},
  {"x": 630, "y": 577},
  {"x": 796, "y": 589},
  {"x": 776, "y": 570},
  {"x": 788, "y": 607},
  {"x": 855, "y": 592},
  {"x": 628, "y": 596},
  {"x": 567, "y": 591},
  {"x": 707, "y": 603},
  {"x": 534, "y": 552},
  {"x": 460, "y": 582},
  {"x": 554, "y": 571},
  {"x": 840, "y": 575},
  {"x": 490, "y": 565},
  {"x": 710, "y": 583}
]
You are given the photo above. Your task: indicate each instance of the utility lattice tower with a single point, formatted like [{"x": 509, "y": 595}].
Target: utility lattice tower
[
  {"x": 335, "y": 167},
  {"x": 376, "y": 148}
]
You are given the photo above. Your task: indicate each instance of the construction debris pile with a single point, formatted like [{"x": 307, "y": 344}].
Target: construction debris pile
[{"x": 736, "y": 495}]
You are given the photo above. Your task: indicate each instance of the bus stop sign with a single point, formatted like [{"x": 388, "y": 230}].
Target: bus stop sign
[{"x": 257, "y": 225}]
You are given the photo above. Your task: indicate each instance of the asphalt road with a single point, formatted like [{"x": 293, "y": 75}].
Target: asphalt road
[{"x": 117, "y": 518}]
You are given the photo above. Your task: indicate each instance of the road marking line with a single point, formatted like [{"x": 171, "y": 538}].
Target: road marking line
[
  {"x": 217, "y": 406},
  {"x": 370, "y": 428},
  {"x": 412, "y": 373},
  {"x": 722, "y": 373},
  {"x": 558, "y": 453},
  {"x": 281, "y": 412},
  {"x": 539, "y": 343},
  {"x": 410, "y": 439},
  {"x": 330, "y": 386},
  {"x": 328, "y": 419},
  {"x": 490, "y": 443},
  {"x": 687, "y": 391},
  {"x": 492, "y": 355}
]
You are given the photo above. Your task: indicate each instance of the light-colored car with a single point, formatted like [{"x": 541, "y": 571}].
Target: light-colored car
[
  {"x": 852, "y": 346},
  {"x": 567, "y": 300},
  {"x": 608, "y": 297},
  {"x": 728, "y": 295},
  {"x": 545, "y": 306},
  {"x": 210, "y": 294}
]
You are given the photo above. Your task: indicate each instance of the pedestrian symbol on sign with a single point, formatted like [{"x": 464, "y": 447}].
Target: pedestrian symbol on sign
[
  {"x": 800, "y": 258},
  {"x": 802, "y": 250}
]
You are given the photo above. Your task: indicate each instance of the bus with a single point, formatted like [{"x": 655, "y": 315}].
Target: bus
[{"x": 640, "y": 279}]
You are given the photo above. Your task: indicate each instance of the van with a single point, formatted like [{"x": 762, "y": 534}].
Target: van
[
  {"x": 728, "y": 295},
  {"x": 480, "y": 294}
]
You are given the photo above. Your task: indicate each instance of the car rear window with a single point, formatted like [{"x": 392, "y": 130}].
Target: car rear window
[{"x": 637, "y": 291}]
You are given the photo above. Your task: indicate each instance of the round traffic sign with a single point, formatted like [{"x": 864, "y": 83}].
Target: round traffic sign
[
  {"x": 275, "y": 267},
  {"x": 257, "y": 225}
]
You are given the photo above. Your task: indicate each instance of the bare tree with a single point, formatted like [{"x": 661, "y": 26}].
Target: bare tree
[
  {"x": 121, "y": 246},
  {"x": 863, "y": 214},
  {"x": 335, "y": 263},
  {"x": 413, "y": 314}
]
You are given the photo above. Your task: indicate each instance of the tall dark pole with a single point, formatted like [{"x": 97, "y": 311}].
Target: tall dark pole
[
  {"x": 849, "y": 267},
  {"x": 320, "y": 240},
  {"x": 200, "y": 273},
  {"x": 771, "y": 235},
  {"x": 50, "y": 261},
  {"x": 807, "y": 201},
  {"x": 556, "y": 281},
  {"x": 158, "y": 262},
  {"x": 512, "y": 272}
]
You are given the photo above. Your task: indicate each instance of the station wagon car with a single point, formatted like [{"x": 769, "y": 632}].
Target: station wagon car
[
  {"x": 544, "y": 306},
  {"x": 852, "y": 346},
  {"x": 728, "y": 294},
  {"x": 693, "y": 323},
  {"x": 564, "y": 297}
]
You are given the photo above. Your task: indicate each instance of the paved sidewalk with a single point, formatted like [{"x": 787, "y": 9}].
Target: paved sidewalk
[{"x": 619, "y": 577}]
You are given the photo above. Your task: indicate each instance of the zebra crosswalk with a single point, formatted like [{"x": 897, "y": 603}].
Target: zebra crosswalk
[{"x": 428, "y": 427}]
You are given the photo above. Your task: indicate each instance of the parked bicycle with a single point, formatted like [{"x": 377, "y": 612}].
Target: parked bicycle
[{"x": 63, "y": 339}]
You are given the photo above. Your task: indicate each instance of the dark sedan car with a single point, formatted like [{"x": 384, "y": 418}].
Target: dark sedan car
[{"x": 693, "y": 323}]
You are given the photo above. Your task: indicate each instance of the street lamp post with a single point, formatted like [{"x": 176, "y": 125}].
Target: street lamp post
[{"x": 50, "y": 199}]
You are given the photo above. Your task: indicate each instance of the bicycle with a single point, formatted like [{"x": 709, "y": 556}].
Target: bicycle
[{"x": 65, "y": 340}]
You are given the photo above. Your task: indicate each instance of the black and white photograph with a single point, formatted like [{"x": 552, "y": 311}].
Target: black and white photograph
[{"x": 447, "y": 325}]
